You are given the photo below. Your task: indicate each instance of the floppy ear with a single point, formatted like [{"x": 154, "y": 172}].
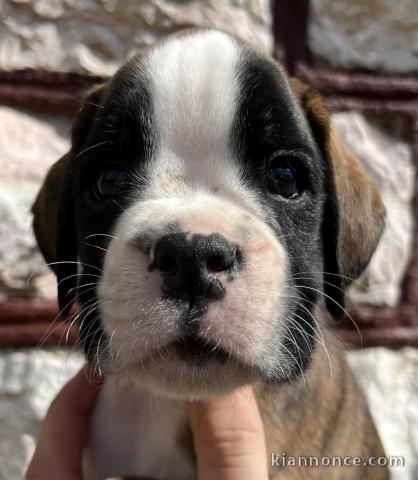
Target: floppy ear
[
  {"x": 53, "y": 210},
  {"x": 354, "y": 212},
  {"x": 44, "y": 211}
]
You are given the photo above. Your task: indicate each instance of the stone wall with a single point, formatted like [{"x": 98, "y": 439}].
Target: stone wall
[
  {"x": 29, "y": 144},
  {"x": 95, "y": 36},
  {"x": 29, "y": 380},
  {"x": 377, "y": 35},
  {"x": 390, "y": 381}
]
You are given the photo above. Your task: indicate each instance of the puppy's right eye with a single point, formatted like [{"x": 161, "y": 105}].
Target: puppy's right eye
[{"x": 109, "y": 183}]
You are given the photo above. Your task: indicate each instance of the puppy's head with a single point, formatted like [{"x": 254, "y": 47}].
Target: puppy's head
[{"x": 202, "y": 200}]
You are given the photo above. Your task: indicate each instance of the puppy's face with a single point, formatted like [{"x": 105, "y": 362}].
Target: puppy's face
[{"x": 202, "y": 200}]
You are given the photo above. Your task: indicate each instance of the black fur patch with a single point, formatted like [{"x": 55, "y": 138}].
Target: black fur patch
[
  {"x": 121, "y": 134},
  {"x": 268, "y": 124}
]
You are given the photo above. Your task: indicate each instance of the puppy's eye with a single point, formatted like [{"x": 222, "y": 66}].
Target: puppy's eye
[
  {"x": 109, "y": 183},
  {"x": 284, "y": 178}
]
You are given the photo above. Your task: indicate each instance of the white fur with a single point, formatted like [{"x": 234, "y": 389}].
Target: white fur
[
  {"x": 140, "y": 323},
  {"x": 135, "y": 433},
  {"x": 194, "y": 91}
]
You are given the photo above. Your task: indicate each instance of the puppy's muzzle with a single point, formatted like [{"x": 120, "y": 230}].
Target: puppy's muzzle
[{"x": 195, "y": 267}]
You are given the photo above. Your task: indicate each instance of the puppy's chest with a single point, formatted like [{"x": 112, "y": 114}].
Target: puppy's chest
[{"x": 135, "y": 433}]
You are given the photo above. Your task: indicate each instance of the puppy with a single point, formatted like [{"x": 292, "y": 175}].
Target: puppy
[{"x": 204, "y": 210}]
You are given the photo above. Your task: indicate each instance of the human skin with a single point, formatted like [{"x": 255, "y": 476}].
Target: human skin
[{"x": 227, "y": 431}]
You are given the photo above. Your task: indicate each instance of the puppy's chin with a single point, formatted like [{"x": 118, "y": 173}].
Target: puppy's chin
[{"x": 172, "y": 375}]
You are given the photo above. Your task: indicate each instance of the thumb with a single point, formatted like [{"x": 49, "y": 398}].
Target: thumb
[{"x": 228, "y": 437}]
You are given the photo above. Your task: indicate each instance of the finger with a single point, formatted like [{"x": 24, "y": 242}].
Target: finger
[
  {"x": 64, "y": 431},
  {"x": 229, "y": 437}
]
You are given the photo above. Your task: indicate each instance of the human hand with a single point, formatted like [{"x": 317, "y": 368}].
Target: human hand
[
  {"x": 228, "y": 434},
  {"x": 64, "y": 432},
  {"x": 229, "y": 437}
]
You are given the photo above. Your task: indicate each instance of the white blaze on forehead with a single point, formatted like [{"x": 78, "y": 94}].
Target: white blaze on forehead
[{"x": 194, "y": 89}]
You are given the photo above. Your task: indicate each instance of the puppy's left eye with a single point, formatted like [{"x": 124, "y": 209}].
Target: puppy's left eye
[
  {"x": 109, "y": 183},
  {"x": 284, "y": 178}
]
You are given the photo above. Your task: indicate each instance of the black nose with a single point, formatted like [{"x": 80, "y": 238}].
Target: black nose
[{"x": 191, "y": 264}]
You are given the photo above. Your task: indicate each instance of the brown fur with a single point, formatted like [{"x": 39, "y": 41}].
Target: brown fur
[
  {"x": 360, "y": 209},
  {"x": 321, "y": 417},
  {"x": 45, "y": 210}
]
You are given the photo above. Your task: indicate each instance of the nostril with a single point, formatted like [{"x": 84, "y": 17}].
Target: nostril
[
  {"x": 167, "y": 264},
  {"x": 215, "y": 263},
  {"x": 219, "y": 262},
  {"x": 182, "y": 260}
]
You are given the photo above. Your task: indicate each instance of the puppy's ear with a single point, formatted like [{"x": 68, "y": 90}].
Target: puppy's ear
[
  {"x": 53, "y": 210},
  {"x": 44, "y": 211},
  {"x": 354, "y": 212}
]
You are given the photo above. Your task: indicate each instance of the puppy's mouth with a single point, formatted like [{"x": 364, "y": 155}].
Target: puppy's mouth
[
  {"x": 191, "y": 350},
  {"x": 197, "y": 351}
]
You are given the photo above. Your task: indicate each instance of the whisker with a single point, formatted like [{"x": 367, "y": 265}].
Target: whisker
[
  {"x": 75, "y": 262},
  {"x": 320, "y": 340},
  {"x": 105, "y": 142},
  {"x": 100, "y": 235},
  {"x": 77, "y": 275},
  {"x": 96, "y": 246},
  {"x": 318, "y": 272},
  {"x": 79, "y": 287},
  {"x": 94, "y": 104},
  {"x": 294, "y": 358},
  {"x": 338, "y": 305},
  {"x": 76, "y": 317},
  {"x": 322, "y": 281}
]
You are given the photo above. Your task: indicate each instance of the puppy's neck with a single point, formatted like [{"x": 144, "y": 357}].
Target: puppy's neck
[{"x": 135, "y": 432}]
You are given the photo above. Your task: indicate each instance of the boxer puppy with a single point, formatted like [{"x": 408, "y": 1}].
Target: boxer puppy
[{"x": 204, "y": 211}]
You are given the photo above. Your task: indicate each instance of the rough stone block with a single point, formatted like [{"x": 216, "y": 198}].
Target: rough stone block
[
  {"x": 378, "y": 35},
  {"x": 96, "y": 36}
]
